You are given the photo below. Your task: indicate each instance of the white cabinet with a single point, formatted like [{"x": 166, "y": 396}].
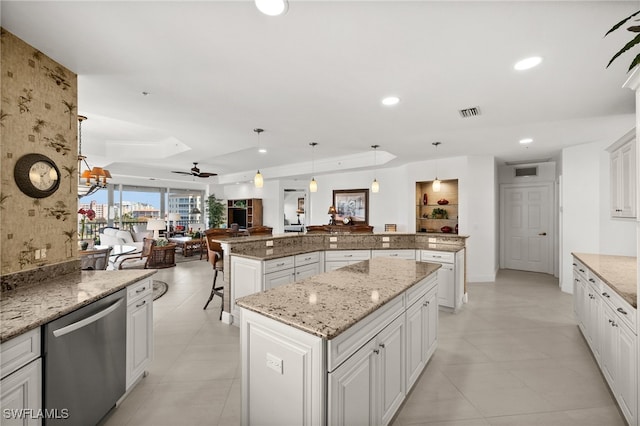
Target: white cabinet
[
  {"x": 608, "y": 324},
  {"x": 622, "y": 160},
  {"x": 450, "y": 276},
  {"x": 335, "y": 259},
  {"x": 392, "y": 369},
  {"x": 409, "y": 254},
  {"x": 278, "y": 278},
  {"x": 246, "y": 279},
  {"x": 422, "y": 338},
  {"x": 139, "y": 330},
  {"x": 21, "y": 384}
]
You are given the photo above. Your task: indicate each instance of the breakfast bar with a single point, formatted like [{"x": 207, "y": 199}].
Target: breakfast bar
[{"x": 341, "y": 347}]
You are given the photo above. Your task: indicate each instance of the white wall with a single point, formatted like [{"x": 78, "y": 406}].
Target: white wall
[{"x": 586, "y": 223}]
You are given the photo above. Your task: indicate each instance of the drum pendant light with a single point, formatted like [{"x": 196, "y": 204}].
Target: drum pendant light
[
  {"x": 313, "y": 185},
  {"x": 375, "y": 186}
]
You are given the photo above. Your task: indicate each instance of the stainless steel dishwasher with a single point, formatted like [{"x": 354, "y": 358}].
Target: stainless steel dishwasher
[{"x": 84, "y": 361}]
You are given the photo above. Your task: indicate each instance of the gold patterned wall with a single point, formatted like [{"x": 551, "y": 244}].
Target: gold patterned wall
[{"x": 38, "y": 114}]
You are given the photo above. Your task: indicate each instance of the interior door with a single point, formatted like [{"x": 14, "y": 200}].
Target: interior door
[{"x": 527, "y": 225}]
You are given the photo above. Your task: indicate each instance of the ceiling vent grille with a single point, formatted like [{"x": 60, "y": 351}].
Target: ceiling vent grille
[
  {"x": 469, "y": 112},
  {"x": 526, "y": 171}
]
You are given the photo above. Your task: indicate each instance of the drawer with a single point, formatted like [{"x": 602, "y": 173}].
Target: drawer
[
  {"x": 307, "y": 258},
  {"x": 347, "y": 255},
  {"x": 624, "y": 310},
  {"x": 139, "y": 290},
  {"x": 417, "y": 291},
  {"x": 280, "y": 264},
  {"x": 398, "y": 254},
  {"x": 579, "y": 268},
  {"x": 437, "y": 256},
  {"x": 19, "y": 351}
]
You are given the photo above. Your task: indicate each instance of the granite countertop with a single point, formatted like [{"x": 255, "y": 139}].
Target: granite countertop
[
  {"x": 28, "y": 307},
  {"x": 327, "y": 304},
  {"x": 268, "y": 253},
  {"x": 618, "y": 272}
]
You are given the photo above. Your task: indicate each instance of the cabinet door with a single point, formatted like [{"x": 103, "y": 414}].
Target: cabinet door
[
  {"x": 391, "y": 343},
  {"x": 276, "y": 279},
  {"x": 246, "y": 278},
  {"x": 627, "y": 189},
  {"x": 430, "y": 324},
  {"x": 609, "y": 338},
  {"x": 307, "y": 271},
  {"x": 446, "y": 283},
  {"x": 415, "y": 360},
  {"x": 578, "y": 300},
  {"x": 20, "y": 391},
  {"x": 626, "y": 382},
  {"x": 592, "y": 321},
  {"x": 139, "y": 338},
  {"x": 615, "y": 164},
  {"x": 352, "y": 389}
]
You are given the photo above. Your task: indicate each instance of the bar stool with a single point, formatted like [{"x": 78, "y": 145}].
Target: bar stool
[{"x": 215, "y": 257}]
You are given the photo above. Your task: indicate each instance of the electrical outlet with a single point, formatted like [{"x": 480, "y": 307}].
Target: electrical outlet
[
  {"x": 275, "y": 363},
  {"x": 385, "y": 245},
  {"x": 269, "y": 252},
  {"x": 333, "y": 239},
  {"x": 43, "y": 253},
  {"x": 269, "y": 243},
  {"x": 37, "y": 254},
  {"x": 385, "y": 239},
  {"x": 333, "y": 246},
  {"x": 432, "y": 240}
]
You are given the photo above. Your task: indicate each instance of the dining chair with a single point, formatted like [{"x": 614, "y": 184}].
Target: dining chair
[
  {"x": 260, "y": 230},
  {"x": 215, "y": 257},
  {"x": 138, "y": 262},
  {"x": 94, "y": 260}
]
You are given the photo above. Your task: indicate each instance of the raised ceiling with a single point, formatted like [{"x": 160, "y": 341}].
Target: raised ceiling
[{"x": 215, "y": 70}]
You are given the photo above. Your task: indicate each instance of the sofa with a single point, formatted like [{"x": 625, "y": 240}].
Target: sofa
[{"x": 115, "y": 236}]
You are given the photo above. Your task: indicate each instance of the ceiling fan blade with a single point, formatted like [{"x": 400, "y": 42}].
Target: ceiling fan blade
[
  {"x": 182, "y": 173},
  {"x": 206, "y": 174}
]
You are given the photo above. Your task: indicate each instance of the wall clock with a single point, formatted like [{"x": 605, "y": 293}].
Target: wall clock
[{"x": 36, "y": 175}]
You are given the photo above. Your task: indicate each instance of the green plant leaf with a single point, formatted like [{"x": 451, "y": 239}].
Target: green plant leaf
[
  {"x": 634, "y": 29},
  {"x": 635, "y": 62},
  {"x": 621, "y": 23},
  {"x": 626, "y": 47}
]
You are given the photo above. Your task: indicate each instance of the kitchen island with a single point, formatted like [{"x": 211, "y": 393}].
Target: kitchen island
[{"x": 342, "y": 347}]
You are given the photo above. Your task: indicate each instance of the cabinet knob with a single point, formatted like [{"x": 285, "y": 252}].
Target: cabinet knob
[
  {"x": 425, "y": 303},
  {"x": 376, "y": 351},
  {"x": 381, "y": 345},
  {"x": 542, "y": 233}
]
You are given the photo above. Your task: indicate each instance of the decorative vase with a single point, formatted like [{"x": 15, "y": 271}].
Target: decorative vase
[
  {"x": 424, "y": 199},
  {"x": 84, "y": 245}
]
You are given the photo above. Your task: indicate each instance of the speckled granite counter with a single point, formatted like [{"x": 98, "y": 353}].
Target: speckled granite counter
[
  {"x": 618, "y": 272},
  {"x": 327, "y": 304},
  {"x": 31, "y": 306}
]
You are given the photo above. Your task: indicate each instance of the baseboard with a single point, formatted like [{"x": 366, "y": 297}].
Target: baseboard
[{"x": 227, "y": 318}]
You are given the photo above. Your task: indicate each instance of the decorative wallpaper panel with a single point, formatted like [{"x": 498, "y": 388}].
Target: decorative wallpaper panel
[{"x": 38, "y": 114}]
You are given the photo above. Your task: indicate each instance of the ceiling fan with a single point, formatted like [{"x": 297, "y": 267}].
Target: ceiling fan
[{"x": 195, "y": 171}]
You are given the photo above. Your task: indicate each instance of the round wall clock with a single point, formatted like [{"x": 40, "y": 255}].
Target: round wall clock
[{"x": 36, "y": 175}]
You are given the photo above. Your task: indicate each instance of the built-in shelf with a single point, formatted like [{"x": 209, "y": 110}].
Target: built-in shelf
[{"x": 449, "y": 192}]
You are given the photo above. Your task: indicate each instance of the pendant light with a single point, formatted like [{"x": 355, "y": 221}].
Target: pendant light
[
  {"x": 93, "y": 179},
  {"x": 313, "y": 185},
  {"x": 436, "y": 183},
  {"x": 375, "y": 186},
  {"x": 258, "y": 181}
]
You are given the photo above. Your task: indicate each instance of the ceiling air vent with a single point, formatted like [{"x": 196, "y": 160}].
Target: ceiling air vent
[
  {"x": 469, "y": 112},
  {"x": 526, "y": 171}
]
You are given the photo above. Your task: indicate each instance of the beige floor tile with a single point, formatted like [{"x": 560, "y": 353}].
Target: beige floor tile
[
  {"x": 503, "y": 402},
  {"x": 417, "y": 411}
]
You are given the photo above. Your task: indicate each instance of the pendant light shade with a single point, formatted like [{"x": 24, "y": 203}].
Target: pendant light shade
[
  {"x": 272, "y": 7},
  {"x": 436, "y": 182},
  {"x": 258, "y": 181},
  {"x": 313, "y": 185},
  {"x": 375, "y": 186}
]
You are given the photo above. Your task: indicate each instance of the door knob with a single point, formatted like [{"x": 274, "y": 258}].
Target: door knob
[{"x": 542, "y": 233}]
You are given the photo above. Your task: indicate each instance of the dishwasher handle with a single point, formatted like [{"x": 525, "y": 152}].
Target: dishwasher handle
[{"x": 86, "y": 321}]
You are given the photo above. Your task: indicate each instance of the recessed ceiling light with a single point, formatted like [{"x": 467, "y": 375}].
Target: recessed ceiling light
[
  {"x": 272, "y": 7},
  {"x": 527, "y": 63},
  {"x": 390, "y": 100},
  {"x": 262, "y": 151},
  {"x": 526, "y": 141}
]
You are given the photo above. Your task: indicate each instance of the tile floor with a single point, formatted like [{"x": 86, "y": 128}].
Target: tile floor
[{"x": 512, "y": 356}]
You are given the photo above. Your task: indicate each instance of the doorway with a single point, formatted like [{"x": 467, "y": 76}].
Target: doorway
[{"x": 527, "y": 227}]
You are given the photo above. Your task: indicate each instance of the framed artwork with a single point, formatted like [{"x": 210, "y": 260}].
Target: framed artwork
[
  {"x": 352, "y": 205},
  {"x": 300, "y": 205}
]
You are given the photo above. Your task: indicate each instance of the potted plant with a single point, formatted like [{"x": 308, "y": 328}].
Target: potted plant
[
  {"x": 216, "y": 211},
  {"x": 439, "y": 213},
  {"x": 634, "y": 41}
]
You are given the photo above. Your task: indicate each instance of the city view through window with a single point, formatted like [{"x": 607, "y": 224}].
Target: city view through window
[{"x": 181, "y": 209}]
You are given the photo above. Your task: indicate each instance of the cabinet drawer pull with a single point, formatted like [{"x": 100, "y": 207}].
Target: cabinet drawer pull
[
  {"x": 142, "y": 304},
  {"x": 348, "y": 255},
  {"x": 280, "y": 264},
  {"x": 425, "y": 303},
  {"x": 437, "y": 257},
  {"x": 605, "y": 294},
  {"x": 575, "y": 264},
  {"x": 610, "y": 321},
  {"x": 581, "y": 270},
  {"x": 592, "y": 280},
  {"x": 307, "y": 258},
  {"x": 141, "y": 290},
  {"x": 381, "y": 345},
  {"x": 622, "y": 311},
  {"x": 376, "y": 351},
  {"x": 393, "y": 254}
]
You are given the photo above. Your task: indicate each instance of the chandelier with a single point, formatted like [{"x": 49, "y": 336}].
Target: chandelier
[{"x": 90, "y": 179}]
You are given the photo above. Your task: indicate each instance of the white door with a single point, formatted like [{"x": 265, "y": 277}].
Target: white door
[{"x": 527, "y": 225}]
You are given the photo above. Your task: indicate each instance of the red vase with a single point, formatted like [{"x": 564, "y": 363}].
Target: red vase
[{"x": 424, "y": 199}]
